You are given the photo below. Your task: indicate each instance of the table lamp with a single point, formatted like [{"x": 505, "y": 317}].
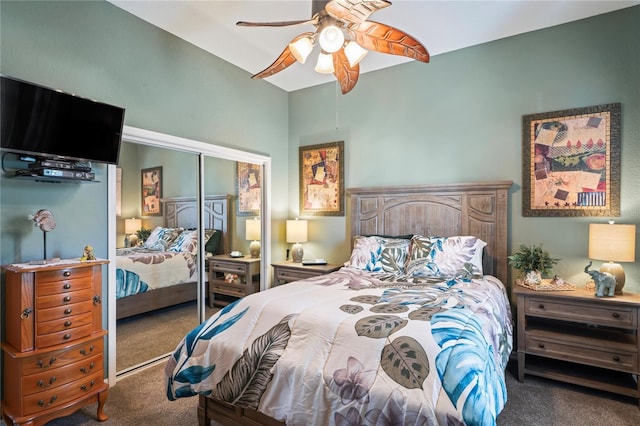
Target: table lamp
[
  {"x": 297, "y": 233},
  {"x": 131, "y": 226},
  {"x": 252, "y": 232},
  {"x": 613, "y": 243}
]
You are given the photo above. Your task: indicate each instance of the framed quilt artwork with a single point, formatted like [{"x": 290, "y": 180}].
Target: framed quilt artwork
[
  {"x": 571, "y": 162},
  {"x": 151, "y": 191},
  {"x": 322, "y": 179},
  {"x": 248, "y": 189}
]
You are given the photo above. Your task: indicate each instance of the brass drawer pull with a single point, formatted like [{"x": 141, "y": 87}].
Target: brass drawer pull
[
  {"x": 41, "y": 363},
  {"x": 85, "y": 388},
  {"x": 67, "y": 311},
  {"x": 84, "y": 352},
  {"x": 66, "y": 299},
  {"x": 66, "y": 337},
  {"x": 66, "y": 286},
  {"x": 51, "y": 401},
  {"x": 84, "y": 370},
  {"x": 66, "y": 273},
  {"x": 42, "y": 385},
  {"x": 25, "y": 314},
  {"x": 67, "y": 324}
]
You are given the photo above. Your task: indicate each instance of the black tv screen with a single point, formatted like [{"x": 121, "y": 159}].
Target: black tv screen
[{"x": 40, "y": 121}]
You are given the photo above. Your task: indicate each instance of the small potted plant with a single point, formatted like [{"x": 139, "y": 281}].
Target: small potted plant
[
  {"x": 143, "y": 234},
  {"x": 533, "y": 262}
]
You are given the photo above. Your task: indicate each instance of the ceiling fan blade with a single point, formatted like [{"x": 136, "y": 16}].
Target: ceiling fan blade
[
  {"x": 285, "y": 59},
  {"x": 275, "y": 24},
  {"x": 346, "y": 75},
  {"x": 382, "y": 38},
  {"x": 354, "y": 11}
]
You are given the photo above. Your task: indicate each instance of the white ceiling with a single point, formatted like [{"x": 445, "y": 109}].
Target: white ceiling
[{"x": 441, "y": 26}]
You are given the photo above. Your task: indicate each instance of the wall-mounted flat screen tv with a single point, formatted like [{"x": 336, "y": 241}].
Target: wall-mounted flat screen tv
[{"x": 41, "y": 121}]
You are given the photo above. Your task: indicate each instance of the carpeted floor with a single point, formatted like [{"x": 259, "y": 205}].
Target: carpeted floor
[{"x": 139, "y": 399}]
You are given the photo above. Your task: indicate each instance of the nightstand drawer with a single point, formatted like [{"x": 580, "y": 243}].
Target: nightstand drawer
[
  {"x": 233, "y": 267},
  {"x": 615, "y": 316},
  {"x": 290, "y": 275},
  {"x": 615, "y": 360},
  {"x": 237, "y": 290}
]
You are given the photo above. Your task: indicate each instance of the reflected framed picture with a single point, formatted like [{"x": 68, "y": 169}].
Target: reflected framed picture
[
  {"x": 151, "y": 191},
  {"x": 322, "y": 179},
  {"x": 248, "y": 189},
  {"x": 571, "y": 162}
]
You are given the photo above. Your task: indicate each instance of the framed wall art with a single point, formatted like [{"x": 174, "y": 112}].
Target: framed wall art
[
  {"x": 322, "y": 179},
  {"x": 248, "y": 184},
  {"x": 152, "y": 191},
  {"x": 571, "y": 162}
]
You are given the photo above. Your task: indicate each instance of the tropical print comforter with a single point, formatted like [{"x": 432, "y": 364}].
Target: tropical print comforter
[
  {"x": 355, "y": 348},
  {"x": 139, "y": 269}
]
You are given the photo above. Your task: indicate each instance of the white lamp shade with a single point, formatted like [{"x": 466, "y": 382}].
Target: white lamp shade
[
  {"x": 296, "y": 231},
  {"x": 132, "y": 225},
  {"x": 324, "y": 64},
  {"x": 612, "y": 243},
  {"x": 354, "y": 53},
  {"x": 301, "y": 49},
  {"x": 252, "y": 230},
  {"x": 331, "y": 39}
]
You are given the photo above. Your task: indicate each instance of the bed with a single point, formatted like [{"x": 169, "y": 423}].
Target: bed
[
  {"x": 165, "y": 272},
  {"x": 416, "y": 328}
]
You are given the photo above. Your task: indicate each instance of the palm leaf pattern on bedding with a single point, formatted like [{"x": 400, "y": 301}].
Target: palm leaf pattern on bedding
[
  {"x": 128, "y": 283},
  {"x": 201, "y": 334},
  {"x": 465, "y": 366},
  {"x": 247, "y": 380}
]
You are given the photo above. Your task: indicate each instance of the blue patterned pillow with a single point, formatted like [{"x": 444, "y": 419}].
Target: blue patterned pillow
[
  {"x": 375, "y": 253},
  {"x": 187, "y": 241},
  {"x": 161, "y": 238},
  {"x": 445, "y": 256}
]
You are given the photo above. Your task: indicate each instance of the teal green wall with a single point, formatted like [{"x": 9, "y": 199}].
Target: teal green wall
[{"x": 459, "y": 118}]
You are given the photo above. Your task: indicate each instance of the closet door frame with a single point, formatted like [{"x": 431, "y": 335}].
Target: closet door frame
[{"x": 161, "y": 140}]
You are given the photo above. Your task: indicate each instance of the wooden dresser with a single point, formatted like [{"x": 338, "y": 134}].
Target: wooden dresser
[
  {"x": 54, "y": 345},
  {"x": 578, "y": 338}
]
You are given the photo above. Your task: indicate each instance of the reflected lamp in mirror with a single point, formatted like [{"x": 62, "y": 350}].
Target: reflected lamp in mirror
[
  {"x": 252, "y": 233},
  {"x": 296, "y": 234},
  {"x": 131, "y": 226},
  {"x": 612, "y": 243}
]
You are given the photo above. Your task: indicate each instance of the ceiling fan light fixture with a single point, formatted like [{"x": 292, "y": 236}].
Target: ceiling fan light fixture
[
  {"x": 331, "y": 39},
  {"x": 354, "y": 53},
  {"x": 324, "y": 64},
  {"x": 301, "y": 49}
]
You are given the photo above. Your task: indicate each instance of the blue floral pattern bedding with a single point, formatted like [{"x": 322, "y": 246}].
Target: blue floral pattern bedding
[
  {"x": 140, "y": 269},
  {"x": 350, "y": 348}
]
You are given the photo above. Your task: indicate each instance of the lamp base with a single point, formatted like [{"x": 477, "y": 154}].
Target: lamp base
[
  {"x": 297, "y": 253},
  {"x": 616, "y": 270},
  {"x": 254, "y": 249}
]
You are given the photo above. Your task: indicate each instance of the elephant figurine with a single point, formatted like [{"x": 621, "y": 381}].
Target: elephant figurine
[{"x": 604, "y": 281}]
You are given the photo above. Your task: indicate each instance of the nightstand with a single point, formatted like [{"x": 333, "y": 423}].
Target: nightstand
[
  {"x": 233, "y": 276},
  {"x": 285, "y": 272},
  {"x": 575, "y": 337}
]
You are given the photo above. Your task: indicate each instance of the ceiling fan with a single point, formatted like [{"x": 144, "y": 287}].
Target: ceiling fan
[{"x": 344, "y": 35}]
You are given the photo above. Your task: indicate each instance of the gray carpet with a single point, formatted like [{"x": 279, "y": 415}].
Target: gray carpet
[{"x": 139, "y": 399}]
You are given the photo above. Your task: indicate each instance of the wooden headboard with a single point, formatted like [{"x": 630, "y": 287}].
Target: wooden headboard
[
  {"x": 478, "y": 209},
  {"x": 182, "y": 212}
]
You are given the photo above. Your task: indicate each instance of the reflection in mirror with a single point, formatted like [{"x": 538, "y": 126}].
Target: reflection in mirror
[{"x": 156, "y": 296}]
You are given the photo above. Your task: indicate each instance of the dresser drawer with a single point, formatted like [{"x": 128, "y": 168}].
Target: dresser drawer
[
  {"x": 233, "y": 267},
  {"x": 590, "y": 313},
  {"x": 289, "y": 275},
  {"x": 59, "y": 358},
  {"x": 53, "y": 378},
  {"x": 589, "y": 355},
  {"x": 56, "y": 287},
  {"x": 59, "y": 396},
  {"x": 64, "y": 274},
  {"x": 66, "y": 336},
  {"x": 61, "y": 299},
  {"x": 62, "y": 324},
  {"x": 237, "y": 290},
  {"x": 50, "y": 314}
]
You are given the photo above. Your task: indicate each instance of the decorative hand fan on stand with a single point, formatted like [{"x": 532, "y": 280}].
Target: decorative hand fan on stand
[{"x": 344, "y": 35}]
